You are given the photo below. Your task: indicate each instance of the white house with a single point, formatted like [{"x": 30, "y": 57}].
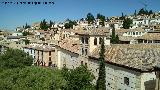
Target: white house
[{"x": 17, "y": 34}]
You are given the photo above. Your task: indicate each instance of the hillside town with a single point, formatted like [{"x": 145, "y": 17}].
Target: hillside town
[{"x": 132, "y": 47}]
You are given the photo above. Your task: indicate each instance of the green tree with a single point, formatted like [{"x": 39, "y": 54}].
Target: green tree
[
  {"x": 31, "y": 78},
  {"x": 154, "y": 15},
  {"x": 90, "y": 18},
  {"x": 122, "y": 17},
  {"x": 70, "y": 24},
  {"x": 25, "y": 33},
  {"x": 150, "y": 12},
  {"x": 117, "y": 39},
  {"x": 27, "y": 26},
  {"x": 135, "y": 13},
  {"x": 26, "y": 41},
  {"x": 127, "y": 23},
  {"x": 141, "y": 11},
  {"x": 114, "y": 37},
  {"x": 78, "y": 79},
  {"x": 13, "y": 58},
  {"x": 145, "y": 12},
  {"x": 102, "y": 18},
  {"x": 43, "y": 25},
  {"x": 101, "y": 81},
  {"x": 50, "y": 24}
]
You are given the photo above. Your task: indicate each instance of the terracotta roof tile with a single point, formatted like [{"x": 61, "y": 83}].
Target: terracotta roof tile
[
  {"x": 70, "y": 45},
  {"x": 140, "y": 56}
]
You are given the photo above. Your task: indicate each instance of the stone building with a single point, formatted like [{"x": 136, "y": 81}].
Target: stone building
[{"x": 44, "y": 55}]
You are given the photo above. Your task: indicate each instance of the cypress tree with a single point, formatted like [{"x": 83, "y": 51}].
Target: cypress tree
[
  {"x": 101, "y": 82},
  {"x": 114, "y": 37}
]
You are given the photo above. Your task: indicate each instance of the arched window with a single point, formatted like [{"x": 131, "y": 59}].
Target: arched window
[{"x": 95, "y": 41}]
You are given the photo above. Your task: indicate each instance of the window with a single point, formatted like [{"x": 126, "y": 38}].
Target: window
[
  {"x": 86, "y": 40},
  {"x": 50, "y": 63},
  {"x": 85, "y": 64},
  {"x": 133, "y": 33},
  {"x": 82, "y": 51},
  {"x": 109, "y": 84},
  {"x": 128, "y": 33},
  {"x": 100, "y": 40},
  {"x": 49, "y": 58},
  {"x": 95, "y": 41},
  {"x": 82, "y": 39},
  {"x": 126, "y": 80},
  {"x": 49, "y": 53},
  {"x": 42, "y": 53},
  {"x": 86, "y": 51},
  {"x": 81, "y": 62},
  {"x": 136, "y": 33},
  {"x": 31, "y": 51}
]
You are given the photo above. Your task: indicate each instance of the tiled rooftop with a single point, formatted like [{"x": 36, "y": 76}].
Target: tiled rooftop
[
  {"x": 140, "y": 56},
  {"x": 150, "y": 36},
  {"x": 44, "y": 48},
  {"x": 70, "y": 45}
]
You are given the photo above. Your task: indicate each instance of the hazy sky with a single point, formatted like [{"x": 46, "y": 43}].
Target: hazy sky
[{"x": 12, "y": 15}]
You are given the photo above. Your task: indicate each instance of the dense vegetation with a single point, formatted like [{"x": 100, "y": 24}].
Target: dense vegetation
[
  {"x": 43, "y": 25},
  {"x": 17, "y": 73},
  {"x": 127, "y": 23},
  {"x": 78, "y": 79},
  {"x": 30, "y": 78},
  {"x": 26, "y": 26},
  {"x": 25, "y": 33},
  {"x": 90, "y": 18},
  {"x": 145, "y": 12},
  {"x": 102, "y": 18},
  {"x": 69, "y": 24},
  {"x": 13, "y": 58}
]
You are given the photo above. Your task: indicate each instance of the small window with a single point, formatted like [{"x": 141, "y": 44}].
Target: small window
[
  {"x": 82, "y": 51},
  {"x": 82, "y": 40},
  {"x": 50, "y": 63},
  {"x": 81, "y": 62},
  {"x": 109, "y": 84},
  {"x": 49, "y": 53},
  {"x": 86, "y": 51},
  {"x": 49, "y": 58},
  {"x": 85, "y": 64},
  {"x": 133, "y": 33},
  {"x": 95, "y": 41},
  {"x": 100, "y": 40},
  {"x": 42, "y": 53},
  {"x": 136, "y": 33},
  {"x": 126, "y": 80},
  {"x": 86, "y": 40}
]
